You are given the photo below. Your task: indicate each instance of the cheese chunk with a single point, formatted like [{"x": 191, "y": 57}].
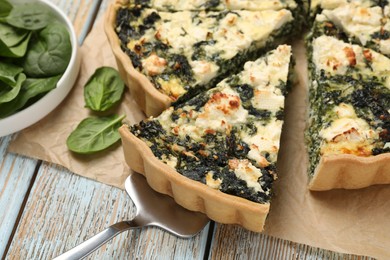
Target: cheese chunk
[
  {"x": 348, "y": 134},
  {"x": 336, "y": 57},
  {"x": 357, "y": 21}
]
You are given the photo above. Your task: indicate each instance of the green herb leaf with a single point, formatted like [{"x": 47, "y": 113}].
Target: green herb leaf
[
  {"x": 16, "y": 51},
  {"x": 30, "y": 16},
  {"x": 49, "y": 55},
  {"x": 95, "y": 134},
  {"x": 8, "y": 73},
  {"x": 11, "y": 36},
  {"x": 31, "y": 88},
  {"x": 5, "y": 8},
  {"x": 6, "y": 95},
  {"x": 104, "y": 89}
]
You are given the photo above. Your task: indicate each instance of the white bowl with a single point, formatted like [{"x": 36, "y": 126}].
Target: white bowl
[{"x": 51, "y": 100}]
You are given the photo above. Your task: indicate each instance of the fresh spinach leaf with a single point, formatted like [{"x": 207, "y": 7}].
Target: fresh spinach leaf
[
  {"x": 8, "y": 73},
  {"x": 30, "y": 16},
  {"x": 9, "y": 93},
  {"x": 31, "y": 88},
  {"x": 16, "y": 51},
  {"x": 11, "y": 36},
  {"x": 50, "y": 53},
  {"x": 95, "y": 134},
  {"x": 104, "y": 89},
  {"x": 5, "y": 8}
]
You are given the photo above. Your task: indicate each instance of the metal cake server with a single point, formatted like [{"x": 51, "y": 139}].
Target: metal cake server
[{"x": 153, "y": 209}]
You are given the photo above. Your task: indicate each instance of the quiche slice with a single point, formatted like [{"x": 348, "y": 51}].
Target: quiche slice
[
  {"x": 167, "y": 57},
  {"x": 349, "y": 128},
  {"x": 217, "y": 152}
]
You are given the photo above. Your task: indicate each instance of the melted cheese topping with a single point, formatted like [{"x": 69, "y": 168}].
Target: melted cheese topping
[
  {"x": 171, "y": 160},
  {"x": 333, "y": 4},
  {"x": 357, "y": 21},
  {"x": 254, "y": 5},
  {"x": 266, "y": 139},
  {"x": 347, "y": 133},
  {"x": 224, "y": 110},
  {"x": 211, "y": 182},
  {"x": 220, "y": 113},
  {"x": 337, "y": 57},
  {"x": 204, "y": 70},
  {"x": 239, "y": 31},
  {"x": 268, "y": 72},
  {"x": 247, "y": 172},
  {"x": 384, "y": 46},
  {"x": 173, "y": 87},
  {"x": 154, "y": 65},
  {"x": 259, "y": 4}
]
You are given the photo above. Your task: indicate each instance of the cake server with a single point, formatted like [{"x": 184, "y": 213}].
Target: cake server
[{"x": 153, "y": 209}]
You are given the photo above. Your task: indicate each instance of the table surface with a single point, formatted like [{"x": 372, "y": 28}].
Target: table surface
[{"x": 47, "y": 210}]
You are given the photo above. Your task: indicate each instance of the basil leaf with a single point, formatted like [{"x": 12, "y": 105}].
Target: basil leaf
[
  {"x": 104, "y": 89},
  {"x": 5, "y": 8},
  {"x": 8, "y": 73},
  {"x": 95, "y": 134},
  {"x": 31, "y": 88},
  {"x": 6, "y": 95},
  {"x": 16, "y": 51},
  {"x": 11, "y": 36},
  {"x": 30, "y": 16},
  {"x": 49, "y": 55}
]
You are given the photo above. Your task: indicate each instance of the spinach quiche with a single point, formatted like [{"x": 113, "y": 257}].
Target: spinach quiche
[
  {"x": 217, "y": 151},
  {"x": 169, "y": 52},
  {"x": 349, "y": 97},
  {"x": 213, "y": 136}
]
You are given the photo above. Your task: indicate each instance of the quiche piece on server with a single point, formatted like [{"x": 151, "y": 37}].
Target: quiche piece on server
[
  {"x": 217, "y": 152},
  {"x": 169, "y": 56},
  {"x": 349, "y": 127}
]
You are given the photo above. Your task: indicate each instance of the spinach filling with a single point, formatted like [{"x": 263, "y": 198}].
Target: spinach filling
[
  {"x": 211, "y": 155},
  {"x": 370, "y": 99},
  {"x": 131, "y": 26},
  {"x": 328, "y": 28}
]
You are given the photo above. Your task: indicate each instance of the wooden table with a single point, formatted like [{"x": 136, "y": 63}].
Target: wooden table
[{"x": 46, "y": 210}]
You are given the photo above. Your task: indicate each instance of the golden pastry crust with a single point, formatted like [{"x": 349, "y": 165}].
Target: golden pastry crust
[
  {"x": 193, "y": 195},
  {"x": 150, "y": 100},
  {"x": 350, "y": 172}
]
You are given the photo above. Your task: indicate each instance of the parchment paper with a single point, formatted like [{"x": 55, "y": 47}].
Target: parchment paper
[{"x": 354, "y": 221}]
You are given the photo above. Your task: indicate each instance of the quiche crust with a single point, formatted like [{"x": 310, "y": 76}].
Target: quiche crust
[
  {"x": 150, "y": 100},
  {"x": 193, "y": 195},
  {"x": 350, "y": 172}
]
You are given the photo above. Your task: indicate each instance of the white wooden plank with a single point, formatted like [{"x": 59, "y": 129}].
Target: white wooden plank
[
  {"x": 243, "y": 244},
  {"x": 65, "y": 209},
  {"x": 15, "y": 176}
]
